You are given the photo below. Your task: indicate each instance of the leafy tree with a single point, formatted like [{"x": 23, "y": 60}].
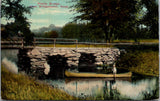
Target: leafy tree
[
  {"x": 8, "y": 30},
  {"x": 82, "y": 32},
  {"x": 151, "y": 17},
  {"x": 71, "y": 30},
  {"x": 106, "y": 14},
  {"x": 51, "y": 34},
  {"x": 14, "y": 9}
]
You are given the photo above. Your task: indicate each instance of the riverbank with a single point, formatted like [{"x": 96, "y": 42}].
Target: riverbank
[
  {"x": 140, "y": 40},
  {"x": 142, "y": 60},
  {"x": 22, "y": 87}
]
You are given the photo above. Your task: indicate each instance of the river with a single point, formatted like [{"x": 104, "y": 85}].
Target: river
[{"x": 135, "y": 88}]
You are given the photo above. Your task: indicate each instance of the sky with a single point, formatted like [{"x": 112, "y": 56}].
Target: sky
[{"x": 45, "y": 13}]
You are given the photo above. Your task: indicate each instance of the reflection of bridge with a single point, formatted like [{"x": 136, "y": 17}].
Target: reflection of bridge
[
  {"x": 69, "y": 80},
  {"x": 18, "y": 42}
]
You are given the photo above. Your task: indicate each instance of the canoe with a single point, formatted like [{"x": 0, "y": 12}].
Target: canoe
[{"x": 81, "y": 74}]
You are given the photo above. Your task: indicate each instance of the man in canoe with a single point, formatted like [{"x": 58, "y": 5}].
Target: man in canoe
[{"x": 114, "y": 69}]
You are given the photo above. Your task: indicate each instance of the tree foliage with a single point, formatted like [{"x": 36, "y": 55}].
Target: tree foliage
[
  {"x": 106, "y": 14},
  {"x": 51, "y": 34},
  {"x": 151, "y": 17},
  {"x": 82, "y": 32},
  {"x": 121, "y": 19},
  {"x": 15, "y": 10}
]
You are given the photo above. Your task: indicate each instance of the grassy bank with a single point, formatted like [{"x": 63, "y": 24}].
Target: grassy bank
[
  {"x": 141, "y": 40},
  {"x": 22, "y": 87},
  {"x": 141, "y": 59}
]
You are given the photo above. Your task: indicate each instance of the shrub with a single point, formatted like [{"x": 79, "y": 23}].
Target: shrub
[{"x": 130, "y": 59}]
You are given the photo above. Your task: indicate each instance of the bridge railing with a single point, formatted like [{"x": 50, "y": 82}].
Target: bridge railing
[
  {"x": 18, "y": 42},
  {"x": 15, "y": 42},
  {"x": 54, "y": 41}
]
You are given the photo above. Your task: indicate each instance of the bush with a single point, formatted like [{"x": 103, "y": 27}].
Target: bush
[
  {"x": 141, "y": 62},
  {"x": 129, "y": 60}
]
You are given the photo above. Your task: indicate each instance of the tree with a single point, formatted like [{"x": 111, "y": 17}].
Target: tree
[
  {"x": 151, "y": 17},
  {"x": 71, "y": 30},
  {"x": 14, "y": 9},
  {"x": 131, "y": 29},
  {"x": 51, "y": 34},
  {"x": 82, "y": 32},
  {"x": 106, "y": 14}
]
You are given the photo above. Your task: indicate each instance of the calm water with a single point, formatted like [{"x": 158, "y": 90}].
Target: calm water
[
  {"x": 10, "y": 54},
  {"x": 136, "y": 88},
  {"x": 101, "y": 88}
]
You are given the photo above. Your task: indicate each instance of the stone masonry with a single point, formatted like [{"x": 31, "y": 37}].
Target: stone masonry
[{"x": 38, "y": 55}]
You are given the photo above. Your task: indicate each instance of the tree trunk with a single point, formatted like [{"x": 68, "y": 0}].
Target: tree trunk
[{"x": 105, "y": 29}]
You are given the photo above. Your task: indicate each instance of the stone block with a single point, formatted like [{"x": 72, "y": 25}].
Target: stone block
[
  {"x": 109, "y": 52},
  {"x": 63, "y": 53},
  {"x": 47, "y": 68},
  {"x": 97, "y": 54},
  {"x": 109, "y": 62},
  {"x": 46, "y": 53},
  {"x": 73, "y": 64},
  {"x": 35, "y": 52},
  {"x": 69, "y": 61},
  {"x": 76, "y": 62},
  {"x": 68, "y": 52},
  {"x": 77, "y": 55},
  {"x": 98, "y": 59},
  {"x": 43, "y": 59},
  {"x": 29, "y": 53},
  {"x": 99, "y": 63},
  {"x": 69, "y": 55},
  {"x": 39, "y": 63},
  {"x": 34, "y": 60},
  {"x": 53, "y": 54},
  {"x": 106, "y": 49},
  {"x": 41, "y": 66},
  {"x": 75, "y": 58}
]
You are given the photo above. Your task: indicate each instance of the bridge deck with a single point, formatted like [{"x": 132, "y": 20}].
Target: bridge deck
[{"x": 17, "y": 43}]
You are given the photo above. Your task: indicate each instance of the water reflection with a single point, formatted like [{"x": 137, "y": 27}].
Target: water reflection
[
  {"x": 9, "y": 58},
  {"x": 10, "y": 54},
  {"x": 109, "y": 89},
  {"x": 136, "y": 90}
]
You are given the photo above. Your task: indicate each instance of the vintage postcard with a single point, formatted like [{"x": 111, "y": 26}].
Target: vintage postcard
[{"x": 79, "y": 50}]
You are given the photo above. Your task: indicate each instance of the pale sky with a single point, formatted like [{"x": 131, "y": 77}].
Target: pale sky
[{"x": 44, "y": 16}]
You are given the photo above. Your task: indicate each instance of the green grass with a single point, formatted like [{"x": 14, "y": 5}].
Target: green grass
[
  {"x": 22, "y": 87},
  {"x": 141, "y": 40},
  {"x": 150, "y": 40},
  {"x": 123, "y": 41},
  {"x": 149, "y": 64},
  {"x": 141, "y": 62}
]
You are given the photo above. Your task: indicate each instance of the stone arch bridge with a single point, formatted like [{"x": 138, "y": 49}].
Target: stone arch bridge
[{"x": 40, "y": 57}]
